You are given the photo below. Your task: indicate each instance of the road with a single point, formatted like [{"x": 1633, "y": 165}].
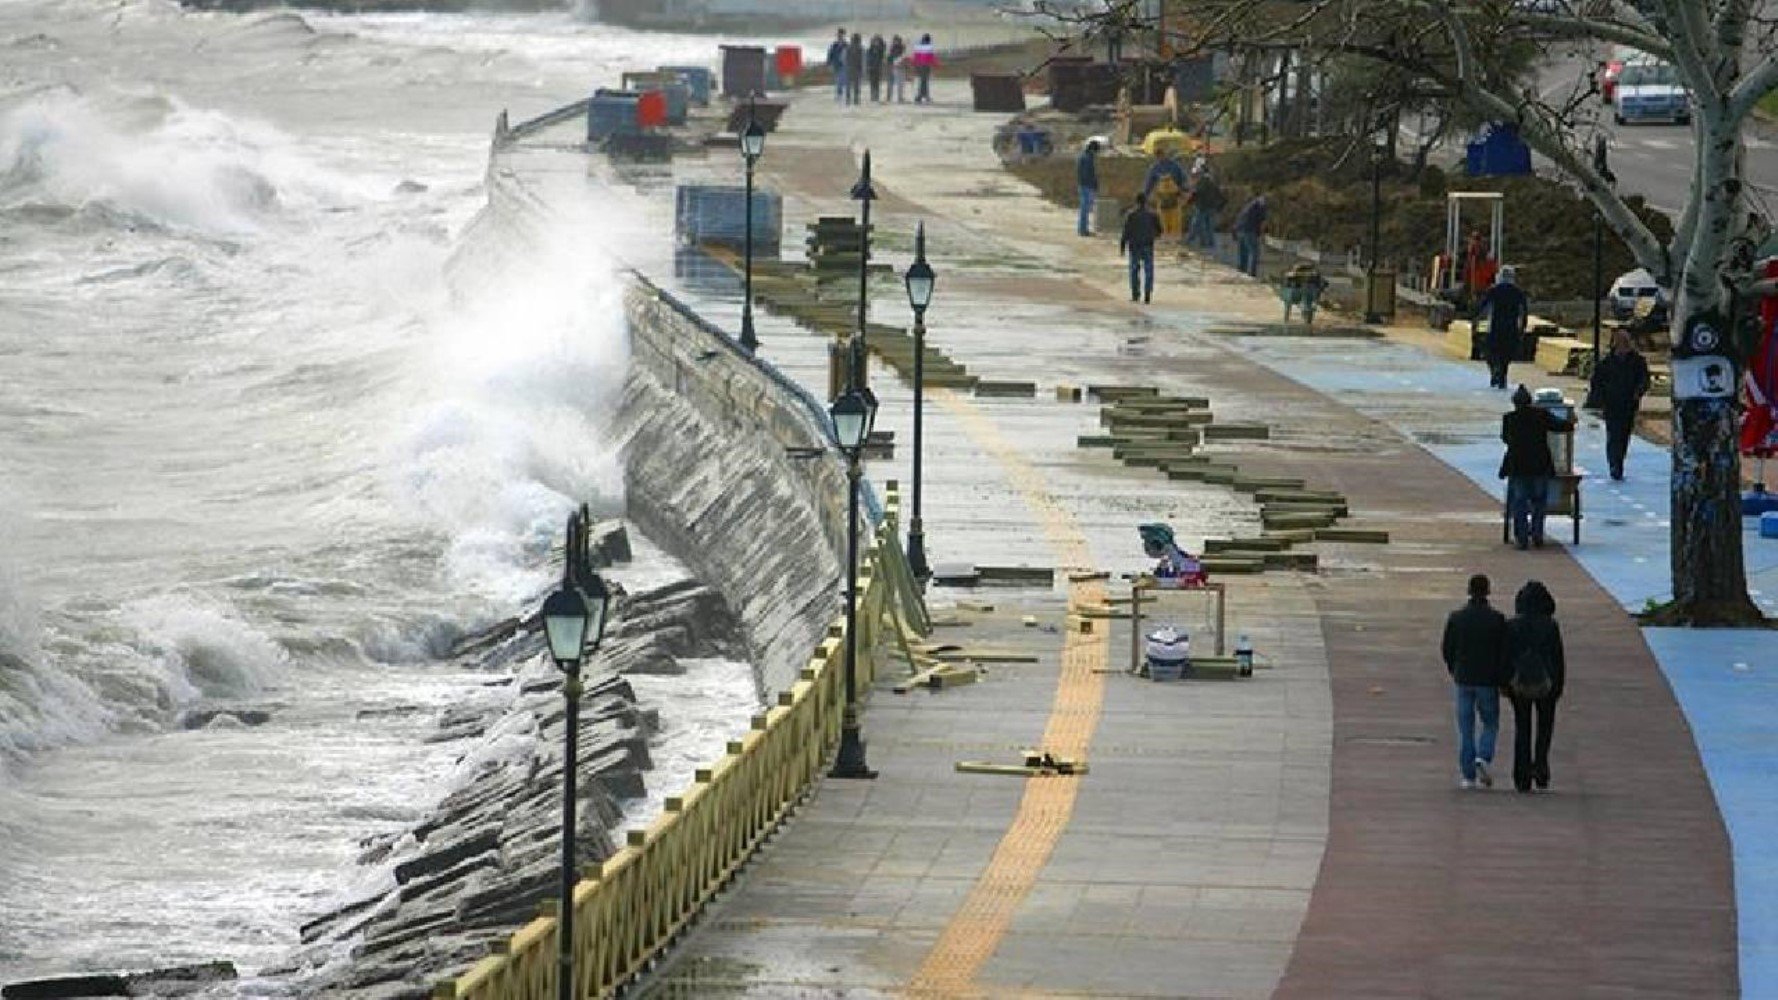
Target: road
[{"x": 1655, "y": 161}]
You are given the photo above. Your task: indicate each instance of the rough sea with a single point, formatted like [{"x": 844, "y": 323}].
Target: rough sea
[{"x": 262, "y": 452}]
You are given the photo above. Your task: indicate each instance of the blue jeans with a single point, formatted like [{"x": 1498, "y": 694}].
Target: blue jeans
[
  {"x": 1087, "y": 197},
  {"x": 839, "y": 84},
  {"x": 1141, "y": 272},
  {"x": 1248, "y": 261},
  {"x": 1202, "y": 232},
  {"x": 1527, "y": 497},
  {"x": 1472, "y": 701}
]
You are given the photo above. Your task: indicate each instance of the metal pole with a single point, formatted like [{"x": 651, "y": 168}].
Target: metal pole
[
  {"x": 748, "y": 339},
  {"x": 570, "y": 760},
  {"x": 850, "y": 762},
  {"x": 916, "y": 530},
  {"x": 864, "y": 251},
  {"x": 1370, "y": 278},
  {"x": 1592, "y": 400}
]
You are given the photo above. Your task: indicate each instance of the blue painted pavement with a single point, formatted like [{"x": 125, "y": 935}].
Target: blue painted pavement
[{"x": 1726, "y": 681}]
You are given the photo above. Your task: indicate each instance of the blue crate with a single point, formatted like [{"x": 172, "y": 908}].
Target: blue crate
[
  {"x": 698, "y": 78},
  {"x": 712, "y": 213},
  {"x": 611, "y": 112}
]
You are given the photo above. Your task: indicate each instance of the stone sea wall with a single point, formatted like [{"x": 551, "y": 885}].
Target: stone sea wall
[{"x": 727, "y": 469}]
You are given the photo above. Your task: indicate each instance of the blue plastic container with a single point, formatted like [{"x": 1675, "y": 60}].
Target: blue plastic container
[
  {"x": 698, "y": 78},
  {"x": 1757, "y": 501},
  {"x": 709, "y": 213},
  {"x": 1768, "y": 524},
  {"x": 678, "y": 102},
  {"x": 612, "y": 112}
]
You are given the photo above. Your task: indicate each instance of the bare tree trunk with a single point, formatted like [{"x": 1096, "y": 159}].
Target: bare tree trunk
[{"x": 1709, "y": 575}]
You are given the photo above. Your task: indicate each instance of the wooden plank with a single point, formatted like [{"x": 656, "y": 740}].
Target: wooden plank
[
  {"x": 1375, "y": 536},
  {"x": 1251, "y": 484},
  {"x": 1234, "y": 432}
]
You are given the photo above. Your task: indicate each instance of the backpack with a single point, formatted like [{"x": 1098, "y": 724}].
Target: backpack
[{"x": 1531, "y": 678}]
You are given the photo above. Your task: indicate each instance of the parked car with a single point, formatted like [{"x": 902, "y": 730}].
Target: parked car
[
  {"x": 1651, "y": 91},
  {"x": 1636, "y": 291}
]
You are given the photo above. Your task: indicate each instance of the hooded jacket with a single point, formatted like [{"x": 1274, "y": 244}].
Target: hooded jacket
[{"x": 1534, "y": 624}]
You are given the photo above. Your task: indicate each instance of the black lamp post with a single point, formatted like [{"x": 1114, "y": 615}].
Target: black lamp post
[
  {"x": 753, "y": 146},
  {"x": 1371, "y": 315},
  {"x": 573, "y": 622},
  {"x": 920, "y": 280},
  {"x": 863, "y": 192},
  {"x": 853, "y": 413},
  {"x": 1603, "y": 168}
]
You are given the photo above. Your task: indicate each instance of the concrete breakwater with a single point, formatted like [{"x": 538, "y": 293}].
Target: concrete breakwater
[{"x": 727, "y": 469}]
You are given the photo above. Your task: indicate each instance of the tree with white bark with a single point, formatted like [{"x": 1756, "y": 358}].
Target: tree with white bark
[{"x": 1725, "y": 52}]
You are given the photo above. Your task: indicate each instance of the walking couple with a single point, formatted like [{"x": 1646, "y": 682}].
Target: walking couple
[{"x": 1486, "y": 654}]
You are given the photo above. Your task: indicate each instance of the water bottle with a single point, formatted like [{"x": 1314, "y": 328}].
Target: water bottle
[{"x": 1243, "y": 656}]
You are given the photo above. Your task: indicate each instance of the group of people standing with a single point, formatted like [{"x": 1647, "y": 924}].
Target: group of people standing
[
  {"x": 1170, "y": 187},
  {"x": 884, "y": 65},
  {"x": 1487, "y": 654}
]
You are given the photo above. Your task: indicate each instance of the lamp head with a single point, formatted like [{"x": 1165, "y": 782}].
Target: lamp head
[
  {"x": 565, "y": 621},
  {"x": 753, "y": 140},
  {"x": 862, "y": 191},
  {"x": 920, "y": 277},
  {"x": 851, "y": 421}
]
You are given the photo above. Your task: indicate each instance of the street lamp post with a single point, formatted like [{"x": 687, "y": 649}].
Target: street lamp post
[
  {"x": 1602, "y": 167},
  {"x": 920, "y": 281},
  {"x": 853, "y": 413},
  {"x": 573, "y": 622},
  {"x": 753, "y": 146},
  {"x": 865, "y": 193},
  {"x": 1370, "y": 279}
]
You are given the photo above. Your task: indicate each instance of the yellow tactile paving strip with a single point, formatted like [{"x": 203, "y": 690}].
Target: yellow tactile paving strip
[{"x": 975, "y": 930}]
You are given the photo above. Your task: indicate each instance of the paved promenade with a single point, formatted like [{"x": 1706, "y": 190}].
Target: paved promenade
[{"x": 1297, "y": 834}]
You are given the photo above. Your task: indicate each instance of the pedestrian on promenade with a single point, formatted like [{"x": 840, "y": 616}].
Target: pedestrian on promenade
[
  {"x": 1618, "y": 386},
  {"x": 1474, "y": 650},
  {"x": 1527, "y": 466},
  {"x": 1086, "y": 172},
  {"x": 836, "y": 61},
  {"x": 854, "y": 67},
  {"x": 1539, "y": 671},
  {"x": 1207, "y": 200},
  {"x": 1250, "y": 224},
  {"x": 873, "y": 66},
  {"x": 1141, "y": 228},
  {"x": 898, "y": 68},
  {"x": 1505, "y": 307},
  {"x": 924, "y": 58}
]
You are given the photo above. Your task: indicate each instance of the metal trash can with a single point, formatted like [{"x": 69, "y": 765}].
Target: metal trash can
[{"x": 1379, "y": 292}]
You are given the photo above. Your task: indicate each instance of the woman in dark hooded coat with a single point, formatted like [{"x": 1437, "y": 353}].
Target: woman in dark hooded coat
[{"x": 1533, "y": 638}]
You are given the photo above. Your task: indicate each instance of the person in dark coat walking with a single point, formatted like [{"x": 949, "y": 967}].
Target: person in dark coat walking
[
  {"x": 1618, "y": 386},
  {"x": 1474, "y": 650},
  {"x": 1506, "y": 307},
  {"x": 1527, "y": 466},
  {"x": 1086, "y": 174},
  {"x": 1250, "y": 225},
  {"x": 854, "y": 67},
  {"x": 1141, "y": 228},
  {"x": 1534, "y": 719},
  {"x": 873, "y": 66},
  {"x": 836, "y": 61}
]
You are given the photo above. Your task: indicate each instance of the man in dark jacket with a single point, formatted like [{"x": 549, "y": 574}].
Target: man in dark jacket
[
  {"x": 1141, "y": 228},
  {"x": 1250, "y": 225},
  {"x": 1534, "y": 719},
  {"x": 1618, "y": 386},
  {"x": 836, "y": 61},
  {"x": 1506, "y": 307},
  {"x": 873, "y": 66},
  {"x": 1475, "y": 655},
  {"x": 1086, "y": 173},
  {"x": 1527, "y": 466},
  {"x": 854, "y": 67}
]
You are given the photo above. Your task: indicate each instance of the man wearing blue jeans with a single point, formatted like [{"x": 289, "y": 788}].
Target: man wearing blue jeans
[
  {"x": 1141, "y": 228},
  {"x": 1249, "y": 225},
  {"x": 1527, "y": 465},
  {"x": 1474, "y": 650},
  {"x": 1086, "y": 172}
]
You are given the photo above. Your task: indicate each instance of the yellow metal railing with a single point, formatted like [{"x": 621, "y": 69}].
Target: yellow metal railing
[{"x": 631, "y": 905}]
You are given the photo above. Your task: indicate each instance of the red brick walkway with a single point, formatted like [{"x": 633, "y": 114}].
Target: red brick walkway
[{"x": 1618, "y": 883}]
